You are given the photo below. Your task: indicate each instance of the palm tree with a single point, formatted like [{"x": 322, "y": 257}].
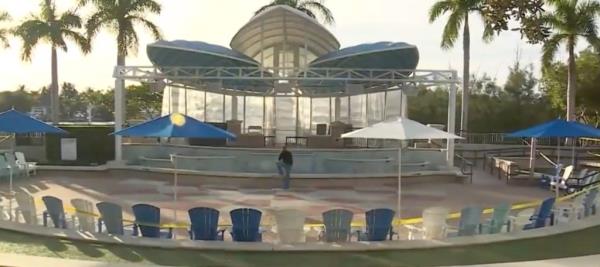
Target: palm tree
[
  {"x": 307, "y": 6},
  {"x": 4, "y": 32},
  {"x": 570, "y": 21},
  {"x": 120, "y": 16},
  {"x": 54, "y": 29},
  {"x": 459, "y": 11}
]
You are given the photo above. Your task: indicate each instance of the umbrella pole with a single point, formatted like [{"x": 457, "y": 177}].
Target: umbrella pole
[
  {"x": 558, "y": 152},
  {"x": 175, "y": 176},
  {"x": 532, "y": 156},
  {"x": 399, "y": 204},
  {"x": 574, "y": 140}
]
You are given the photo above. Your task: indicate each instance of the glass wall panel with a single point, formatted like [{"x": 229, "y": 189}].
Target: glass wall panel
[
  {"x": 285, "y": 109},
  {"x": 214, "y": 107},
  {"x": 344, "y": 110},
  {"x": 304, "y": 113},
  {"x": 392, "y": 107},
  {"x": 358, "y": 109},
  {"x": 228, "y": 115},
  {"x": 320, "y": 113},
  {"x": 254, "y": 111},
  {"x": 269, "y": 117},
  {"x": 195, "y": 104},
  {"x": 375, "y": 108}
]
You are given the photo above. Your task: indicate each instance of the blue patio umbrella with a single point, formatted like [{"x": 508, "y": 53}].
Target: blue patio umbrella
[
  {"x": 12, "y": 121},
  {"x": 559, "y": 129},
  {"x": 176, "y": 125}
]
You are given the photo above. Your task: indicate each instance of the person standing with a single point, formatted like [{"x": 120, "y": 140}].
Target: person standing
[{"x": 284, "y": 166}]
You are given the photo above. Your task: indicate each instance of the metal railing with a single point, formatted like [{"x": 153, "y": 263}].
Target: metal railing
[
  {"x": 466, "y": 166},
  {"x": 501, "y": 139}
]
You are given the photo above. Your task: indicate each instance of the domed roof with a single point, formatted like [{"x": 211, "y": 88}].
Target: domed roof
[{"x": 280, "y": 24}]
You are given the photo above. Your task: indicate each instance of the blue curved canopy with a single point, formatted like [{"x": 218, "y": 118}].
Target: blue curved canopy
[
  {"x": 12, "y": 121},
  {"x": 183, "y": 53},
  {"x": 381, "y": 55},
  {"x": 558, "y": 128},
  {"x": 176, "y": 125}
]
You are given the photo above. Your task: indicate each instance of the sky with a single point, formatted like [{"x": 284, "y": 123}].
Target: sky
[{"x": 216, "y": 21}]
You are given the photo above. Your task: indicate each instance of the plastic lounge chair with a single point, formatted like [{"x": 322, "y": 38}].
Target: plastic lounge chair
[
  {"x": 561, "y": 181},
  {"x": 204, "y": 224},
  {"x": 470, "y": 220},
  {"x": 26, "y": 208},
  {"x": 290, "y": 226},
  {"x": 542, "y": 215},
  {"x": 499, "y": 219},
  {"x": 30, "y": 167},
  {"x": 17, "y": 169},
  {"x": 84, "y": 213},
  {"x": 379, "y": 225},
  {"x": 246, "y": 225},
  {"x": 111, "y": 216},
  {"x": 147, "y": 220},
  {"x": 54, "y": 210},
  {"x": 434, "y": 225},
  {"x": 575, "y": 184},
  {"x": 337, "y": 225}
]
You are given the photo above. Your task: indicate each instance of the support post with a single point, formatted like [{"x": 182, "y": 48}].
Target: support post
[
  {"x": 234, "y": 107},
  {"x": 119, "y": 117},
  {"x": 451, "y": 120},
  {"x": 403, "y": 105},
  {"x": 337, "y": 109}
]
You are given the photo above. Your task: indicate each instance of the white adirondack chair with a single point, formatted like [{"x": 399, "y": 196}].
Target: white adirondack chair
[
  {"x": 290, "y": 226},
  {"x": 434, "y": 225},
  {"x": 26, "y": 208},
  {"x": 84, "y": 213}
]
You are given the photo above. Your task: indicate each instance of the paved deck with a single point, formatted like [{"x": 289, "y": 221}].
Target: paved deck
[{"x": 313, "y": 196}]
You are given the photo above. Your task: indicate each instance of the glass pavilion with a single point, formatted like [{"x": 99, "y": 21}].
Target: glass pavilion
[{"x": 284, "y": 74}]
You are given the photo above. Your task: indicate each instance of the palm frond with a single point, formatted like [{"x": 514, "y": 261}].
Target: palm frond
[
  {"x": 79, "y": 39},
  {"x": 550, "y": 47},
  {"x": 451, "y": 30},
  {"x": 263, "y": 8},
  {"x": 143, "y": 6},
  {"x": 70, "y": 19},
  {"x": 319, "y": 7},
  {"x": 31, "y": 32},
  {"x": 4, "y": 16},
  {"x": 308, "y": 12},
  {"x": 148, "y": 25},
  {"x": 440, "y": 8},
  {"x": 95, "y": 23}
]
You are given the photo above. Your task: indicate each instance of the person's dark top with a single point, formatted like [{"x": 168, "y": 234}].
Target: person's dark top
[{"x": 286, "y": 157}]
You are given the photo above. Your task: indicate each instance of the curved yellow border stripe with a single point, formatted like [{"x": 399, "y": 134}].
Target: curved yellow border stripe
[{"x": 455, "y": 215}]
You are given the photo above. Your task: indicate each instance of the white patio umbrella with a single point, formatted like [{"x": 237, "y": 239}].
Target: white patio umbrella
[{"x": 400, "y": 129}]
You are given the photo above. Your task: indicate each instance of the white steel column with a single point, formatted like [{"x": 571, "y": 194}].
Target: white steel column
[
  {"x": 234, "y": 107},
  {"x": 451, "y": 119},
  {"x": 119, "y": 116},
  {"x": 224, "y": 115},
  {"x": 244, "y": 118},
  {"x": 337, "y": 109},
  {"x": 297, "y": 116},
  {"x": 349, "y": 111},
  {"x": 403, "y": 105}
]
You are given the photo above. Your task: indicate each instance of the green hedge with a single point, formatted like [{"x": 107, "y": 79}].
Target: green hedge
[{"x": 94, "y": 145}]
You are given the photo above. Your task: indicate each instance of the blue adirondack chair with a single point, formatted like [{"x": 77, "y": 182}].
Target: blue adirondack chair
[
  {"x": 205, "y": 223},
  {"x": 499, "y": 218},
  {"x": 337, "y": 225},
  {"x": 147, "y": 219},
  {"x": 246, "y": 225},
  {"x": 111, "y": 216},
  {"x": 470, "y": 220},
  {"x": 379, "y": 225},
  {"x": 543, "y": 214},
  {"x": 54, "y": 210}
]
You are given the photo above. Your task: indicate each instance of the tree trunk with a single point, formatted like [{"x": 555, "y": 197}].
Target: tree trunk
[
  {"x": 54, "y": 99},
  {"x": 466, "y": 91},
  {"x": 572, "y": 83},
  {"x": 120, "y": 96}
]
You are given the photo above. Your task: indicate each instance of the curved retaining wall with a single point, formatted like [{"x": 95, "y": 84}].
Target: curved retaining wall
[
  {"x": 306, "y": 161},
  {"x": 317, "y": 246}
]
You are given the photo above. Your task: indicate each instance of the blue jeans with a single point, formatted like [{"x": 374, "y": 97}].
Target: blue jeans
[{"x": 284, "y": 170}]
